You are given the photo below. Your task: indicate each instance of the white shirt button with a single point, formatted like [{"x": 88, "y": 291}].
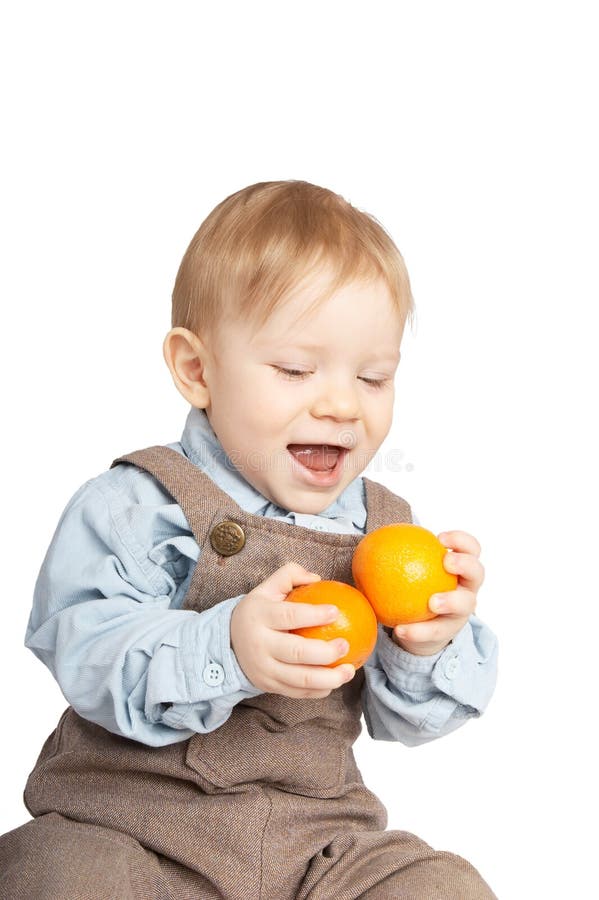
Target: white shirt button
[
  {"x": 452, "y": 667},
  {"x": 213, "y": 674}
]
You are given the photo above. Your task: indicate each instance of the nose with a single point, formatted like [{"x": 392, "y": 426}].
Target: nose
[{"x": 337, "y": 398}]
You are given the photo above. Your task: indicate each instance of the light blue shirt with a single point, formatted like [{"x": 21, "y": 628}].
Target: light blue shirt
[{"x": 107, "y": 617}]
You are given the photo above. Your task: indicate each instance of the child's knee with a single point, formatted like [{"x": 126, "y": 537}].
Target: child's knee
[
  {"x": 51, "y": 858},
  {"x": 461, "y": 879},
  {"x": 437, "y": 876}
]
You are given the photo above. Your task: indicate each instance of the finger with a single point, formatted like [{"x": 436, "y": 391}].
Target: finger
[
  {"x": 281, "y": 582},
  {"x": 439, "y": 630},
  {"x": 468, "y": 568},
  {"x": 289, "y": 615},
  {"x": 300, "y": 650},
  {"x": 461, "y": 541},
  {"x": 460, "y": 603},
  {"x": 312, "y": 678}
]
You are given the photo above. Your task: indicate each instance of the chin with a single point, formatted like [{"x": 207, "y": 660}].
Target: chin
[{"x": 316, "y": 507}]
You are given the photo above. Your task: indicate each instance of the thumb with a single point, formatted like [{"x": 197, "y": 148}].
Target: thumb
[{"x": 286, "y": 578}]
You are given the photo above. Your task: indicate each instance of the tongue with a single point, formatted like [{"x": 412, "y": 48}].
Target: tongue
[{"x": 315, "y": 456}]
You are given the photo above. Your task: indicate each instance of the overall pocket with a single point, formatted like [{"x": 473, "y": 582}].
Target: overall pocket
[{"x": 305, "y": 757}]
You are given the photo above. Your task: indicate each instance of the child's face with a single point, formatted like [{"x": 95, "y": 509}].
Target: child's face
[{"x": 325, "y": 379}]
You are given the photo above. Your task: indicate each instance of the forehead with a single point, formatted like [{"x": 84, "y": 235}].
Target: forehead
[{"x": 314, "y": 316}]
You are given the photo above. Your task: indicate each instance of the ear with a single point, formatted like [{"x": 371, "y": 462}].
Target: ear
[{"x": 186, "y": 356}]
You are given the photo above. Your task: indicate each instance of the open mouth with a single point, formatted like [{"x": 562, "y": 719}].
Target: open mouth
[{"x": 318, "y": 457}]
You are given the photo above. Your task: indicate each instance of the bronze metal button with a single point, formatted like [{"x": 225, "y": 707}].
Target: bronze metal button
[{"x": 227, "y": 538}]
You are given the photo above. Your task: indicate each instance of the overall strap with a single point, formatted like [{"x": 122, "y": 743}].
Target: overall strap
[
  {"x": 383, "y": 506},
  {"x": 197, "y": 495}
]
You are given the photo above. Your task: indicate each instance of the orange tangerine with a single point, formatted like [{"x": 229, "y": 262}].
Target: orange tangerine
[
  {"x": 399, "y": 567},
  {"x": 356, "y": 621}
]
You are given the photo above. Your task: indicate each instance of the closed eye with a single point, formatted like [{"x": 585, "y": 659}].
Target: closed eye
[
  {"x": 376, "y": 382},
  {"x": 292, "y": 374},
  {"x": 300, "y": 374}
]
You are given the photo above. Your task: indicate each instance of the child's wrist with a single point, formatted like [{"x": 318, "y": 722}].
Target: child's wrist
[{"x": 425, "y": 649}]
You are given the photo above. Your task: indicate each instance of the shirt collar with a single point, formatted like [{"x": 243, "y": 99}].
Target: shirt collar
[{"x": 201, "y": 445}]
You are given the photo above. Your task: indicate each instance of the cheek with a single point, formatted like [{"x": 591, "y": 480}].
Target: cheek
[
  {"x": 382, "y": 419},
  {"x": 270, "y": 403},
  {"x": 244, "y": 396},
  {"x": 258, "y": 412}
]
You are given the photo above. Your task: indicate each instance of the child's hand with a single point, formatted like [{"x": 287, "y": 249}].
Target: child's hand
[
  {"x": 276, "y": 661},
  {"x": 428, "y": 638}
]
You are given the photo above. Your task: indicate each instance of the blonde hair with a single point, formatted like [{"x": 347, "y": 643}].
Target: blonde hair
[{"x": 259, "y": 242}]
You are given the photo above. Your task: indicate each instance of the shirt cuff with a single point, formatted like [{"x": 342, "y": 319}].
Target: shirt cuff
[
  {"x": 467, "y": 667},
  {"x": 458, "y": 681},
  {"x": 210, "y": 664},
  {"x": 410, "y": 673}
]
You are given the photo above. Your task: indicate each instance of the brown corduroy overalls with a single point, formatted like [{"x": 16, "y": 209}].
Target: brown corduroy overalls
[{"x": 269, "y": 806}]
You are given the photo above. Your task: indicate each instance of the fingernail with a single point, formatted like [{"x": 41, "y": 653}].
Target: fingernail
[
  {"x": 437, "y": 604},
  {"x": 342, "y": 647},
  {"x": 349, "y": 673},
  {"x": 331, "y": 612},
  {"x": 401, "y": 632}
]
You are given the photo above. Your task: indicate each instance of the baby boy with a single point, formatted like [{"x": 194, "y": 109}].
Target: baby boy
[{"x": 207, "y": 751}]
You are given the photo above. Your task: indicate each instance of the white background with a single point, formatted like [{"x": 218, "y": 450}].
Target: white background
[{"x": 469, "y": 130}]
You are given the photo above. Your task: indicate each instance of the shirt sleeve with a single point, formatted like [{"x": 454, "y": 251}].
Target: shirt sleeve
[
  {"x": 103, "y": 621},
  {"x": 415, "y": 699}
]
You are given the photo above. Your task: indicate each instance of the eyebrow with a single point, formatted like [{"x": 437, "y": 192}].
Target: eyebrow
[{"x": 384, "y": 355}]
